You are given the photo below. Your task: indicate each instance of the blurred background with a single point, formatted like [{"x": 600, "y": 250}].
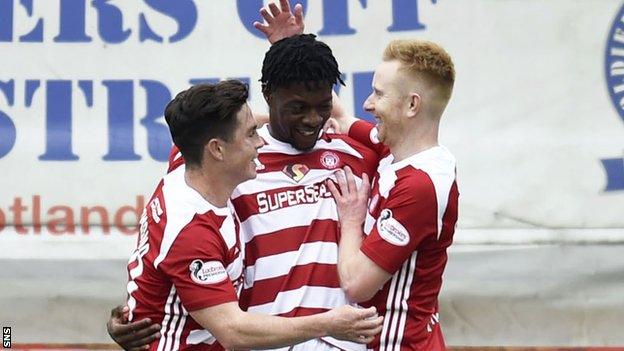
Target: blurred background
[{"x": 536, "y": 123}]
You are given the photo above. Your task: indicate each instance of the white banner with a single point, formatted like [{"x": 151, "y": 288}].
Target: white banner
[{"x": 536, "y": 119}]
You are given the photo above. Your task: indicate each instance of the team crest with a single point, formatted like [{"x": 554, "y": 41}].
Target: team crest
[
  {"x": 210, "y": 272},
  {"x": 329, "y": 160},
  {"x": 391, "y": 230},
  {"x": 296, "y": 171}
]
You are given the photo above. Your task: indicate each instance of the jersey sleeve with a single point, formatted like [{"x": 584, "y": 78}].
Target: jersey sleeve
[
  {"x": 196, "y": 265},
  {"x": 407, "y": 218},
  {"x": 366, "y": 133}
]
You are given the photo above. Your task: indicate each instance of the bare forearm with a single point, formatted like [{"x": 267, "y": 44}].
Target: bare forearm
[
  {"x": 262, "y": 331},
  {"x": 348, "y": 252},
  {"x": 236, "y": 329}
]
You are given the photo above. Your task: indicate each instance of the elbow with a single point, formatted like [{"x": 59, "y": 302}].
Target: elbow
[
  {"x": 356, "y": 292},
  {"x": 231, "y": 336}
]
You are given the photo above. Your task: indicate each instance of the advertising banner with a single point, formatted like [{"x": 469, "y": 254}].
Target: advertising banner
[{"x": 536, "y": 120}]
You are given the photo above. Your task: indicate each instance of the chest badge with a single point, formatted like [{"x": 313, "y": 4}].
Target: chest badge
[
  {"x": 330, "y": 160},
  {"x": 296, "y": 171}
]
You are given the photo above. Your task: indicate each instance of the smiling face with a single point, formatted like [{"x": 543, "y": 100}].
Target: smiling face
[
  {"x": 242, "y": 149},
  {"x": 298, "y": 112},
  {"x": 388, "y": 103}
]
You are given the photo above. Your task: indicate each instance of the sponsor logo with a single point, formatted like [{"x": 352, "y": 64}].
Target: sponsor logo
[
  {"x": 391, "y": 230},
  {"x": 296, "y": 171},
  {"x": 330, "y": 160},
  {"x": 308, "y": 194},
  {"x": 209, "y": 272},
  {"x": 614, "y": 73}
]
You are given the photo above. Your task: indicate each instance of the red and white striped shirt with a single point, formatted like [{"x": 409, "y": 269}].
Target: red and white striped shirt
[
  {"x": 188, "y": 257},
  {"x": 289, "y": 228},
  {"x": 410, "y": 222}
]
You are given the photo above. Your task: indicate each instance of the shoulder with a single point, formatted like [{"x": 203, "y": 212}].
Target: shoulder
[{"x": 344, "y": 144}]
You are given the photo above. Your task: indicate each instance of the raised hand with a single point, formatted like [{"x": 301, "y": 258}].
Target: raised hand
[
  {"x": 350, "y": 200},
  {"x": 279, "y": 24}
]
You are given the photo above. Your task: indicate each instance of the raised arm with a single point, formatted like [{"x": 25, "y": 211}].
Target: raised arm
[
  {"x": 280, "y": 23},
  {"x": 360, "y": 277}
]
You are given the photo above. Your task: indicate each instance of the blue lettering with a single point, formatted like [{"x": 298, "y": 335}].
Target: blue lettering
[
  {"x": 110, "y": 22},
  {"x": 120, "y": 121},
  {"x": 405, "y": 16},
  {"x": 362, "y": 82},
  {"x": 615, "y": 173},
  {"x": 158, "y": 136},
  {"x": 58, "y": 121},
  {"x": 7, "y": 128},
  {"x": 31, "y": 87},
  {"x": 6, "y": 20},
  {"x": 248, "y": 12},
  {"x": 336, "y": 17},
  {"x": 184, "y": 12},
  {"x": 35, "y": 35},
  {"x": 72, "y": 29}
]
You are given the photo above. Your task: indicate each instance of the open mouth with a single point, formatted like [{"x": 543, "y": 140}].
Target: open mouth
[{"x": 307, "y": 132}]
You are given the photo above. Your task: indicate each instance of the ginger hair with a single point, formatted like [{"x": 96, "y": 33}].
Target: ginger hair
[{"x": 420, "y": 58}]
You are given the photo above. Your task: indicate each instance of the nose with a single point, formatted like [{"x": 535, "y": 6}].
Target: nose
[
  {"x": 369, "y": 106},
  {"x": 312, "y": 118},
  {"x": 259, "y": 142}
]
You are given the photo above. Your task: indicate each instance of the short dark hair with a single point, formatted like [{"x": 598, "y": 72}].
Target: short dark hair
[
  {"x": 204, "y": 112},
  {"x": 299, "y": 59}
]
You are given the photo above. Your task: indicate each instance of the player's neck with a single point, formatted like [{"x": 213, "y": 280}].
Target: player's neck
[
  {"x": 212, "y": 187},
  {"x": 414, "y": 140}
]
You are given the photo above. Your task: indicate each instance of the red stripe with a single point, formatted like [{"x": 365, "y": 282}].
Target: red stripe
[
  {"x": 303, "y": 311},
  {"x": 290, "y": 239},
  {"x": 313, "y": 274}
]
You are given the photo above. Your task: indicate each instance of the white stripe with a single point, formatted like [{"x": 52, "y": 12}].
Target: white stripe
[
  {"x": 174, "y": 321},
  {"x": 398, "y": 296},
  {"x": 369, "y": 223},
  {"x": 178, "y": 334},
  {"x": 306, "y": 296},
  {"x": 288, "y": 217},
  {"x": 199, "y": 336},
  {"x": 386, "y": 325},
  {"x": 281, "y": 264},
  {"x": 406, "y": 294},
  {"x": 165, "y": 323}
]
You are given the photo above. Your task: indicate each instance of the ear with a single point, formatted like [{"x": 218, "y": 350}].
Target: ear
[
  {"x": 267, "y": 96},
  {"x": 415, "y": 103},
  {"x": 214, "y": 149}
]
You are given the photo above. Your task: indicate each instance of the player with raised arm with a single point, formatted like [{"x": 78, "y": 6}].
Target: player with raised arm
[
  {"x": 187, "y": 269},
  {"x": 288, "y": 220},
  {"x": 410, "y": 216}
]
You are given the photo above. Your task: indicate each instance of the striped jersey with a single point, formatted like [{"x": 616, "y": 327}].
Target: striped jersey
[
  {"x": 289, "y": 228},
  {"x": 410, "y": 222},
  {"x": 188, "y": 257}
]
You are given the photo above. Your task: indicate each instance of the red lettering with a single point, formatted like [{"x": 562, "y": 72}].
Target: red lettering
[
  {"x": 84, "y": 218},
  {"x": 2, "y": 221},
  {"x": 136, "y": 213},
  {"x": 36, "y": 214},
  {"x": 17, "y": 210},
  {"x": 66, "y": 221}
]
